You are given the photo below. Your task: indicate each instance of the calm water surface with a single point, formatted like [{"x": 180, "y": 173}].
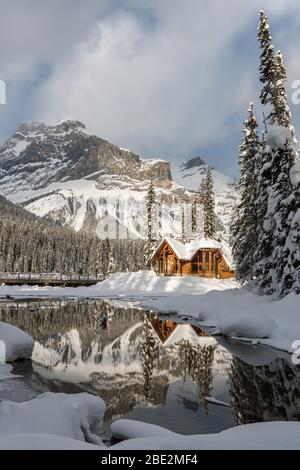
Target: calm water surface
[{"x": 149, "y": 368}]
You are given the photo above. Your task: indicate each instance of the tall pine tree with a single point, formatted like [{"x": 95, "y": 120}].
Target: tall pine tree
[
  {"x": 282, "y": 219},
  {"x": 244, "y": 225},
  {"x": 150, "y": 203},
  {"x": 276, "y": 257},
  {"x": 207, "y": 198},
  {"x": 183, "y": 234},
  {"x": 194, "y": 215}
]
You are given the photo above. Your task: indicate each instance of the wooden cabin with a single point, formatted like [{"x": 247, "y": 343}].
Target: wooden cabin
[
  {"x": 165, "y": 328},
  {"x": 204, "y": 258}
]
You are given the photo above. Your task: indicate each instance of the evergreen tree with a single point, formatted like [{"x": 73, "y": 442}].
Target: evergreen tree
[
  {"x": 283, "y": 113},
  {"x": 272, "y": 77},
  {"x": 244, "y": 224},
  {"x": 150, "y": 203},
  {"x": 267, "y": 62},
  {"x": 98, "y": 258},
  {"x": 208, "y": 199},
  {"x": 183, "y": 235},
  {"x": 277, "y": 255},
  {"x": 31, "y": 244},
  {"x": 282, "y": 219},
  {"x": 194, "y": 216},
  {"x": 263, "y": 251}
]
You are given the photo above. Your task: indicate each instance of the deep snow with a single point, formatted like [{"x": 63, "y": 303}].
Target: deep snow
[
  {"x": 267, "y": 436},
  {"x": 259, "y": 436},
  {"x": 73, "y": 416},
  {"x": 14, "y": 343}
]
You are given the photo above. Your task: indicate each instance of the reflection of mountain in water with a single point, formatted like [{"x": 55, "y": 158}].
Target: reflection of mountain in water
[
  {"x": 125, "y": 356},
  {"x": 152, "y": 369},
  {"x": 265, "y": 393}
]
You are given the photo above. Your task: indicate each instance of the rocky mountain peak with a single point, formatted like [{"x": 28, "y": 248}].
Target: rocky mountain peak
[
  {"x": 192, "y": 163},
  {"x": 38, "y": 154}
]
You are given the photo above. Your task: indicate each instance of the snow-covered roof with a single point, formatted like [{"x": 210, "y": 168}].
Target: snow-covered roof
[
  {"x": 186, "y": 251},
  {"x": 187, "y": 332}
]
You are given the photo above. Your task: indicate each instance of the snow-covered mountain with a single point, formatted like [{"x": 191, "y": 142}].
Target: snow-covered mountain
[
  {"x": 190, "y": 174},
  {"x": 64, "y": 173}
]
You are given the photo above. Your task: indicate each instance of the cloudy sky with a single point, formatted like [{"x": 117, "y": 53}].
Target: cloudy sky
[{"x": 165, "y": 78}]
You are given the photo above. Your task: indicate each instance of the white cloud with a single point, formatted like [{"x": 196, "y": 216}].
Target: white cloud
[{"x": 159, "y": 76}]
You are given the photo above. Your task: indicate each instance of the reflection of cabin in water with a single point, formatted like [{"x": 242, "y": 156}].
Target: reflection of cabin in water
[
  {"x": 205, "y": 258},
  {"x": 170, "y": 332}
]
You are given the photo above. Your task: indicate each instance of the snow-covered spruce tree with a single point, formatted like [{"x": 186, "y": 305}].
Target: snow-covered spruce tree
[
  {"x": 150, "y": 203},
  {"x": 282, "y": 220},
  {"x": 263, "y": 251},
  {"x": 194, "y": 215},
  {"x": 208, "y": 199},
  {"x": 282, "y": 114},
  {"x": 276, "y": 257},
  {"x": 273, "y": 78},
  {"x": 183, "y": 237},
  {"x": 244, "y": 223},
  {"x": 267, "y": 61}
]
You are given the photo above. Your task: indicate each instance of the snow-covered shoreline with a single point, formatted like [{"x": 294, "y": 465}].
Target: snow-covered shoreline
[
  {"x": 221, "y": 304},
  {"x": 14, "y": 343}
]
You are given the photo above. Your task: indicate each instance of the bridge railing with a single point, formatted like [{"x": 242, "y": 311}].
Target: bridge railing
[{"x": 51, "y": 277}]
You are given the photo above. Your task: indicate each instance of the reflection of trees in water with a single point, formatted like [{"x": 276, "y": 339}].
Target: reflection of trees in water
[
  {"x": 197, "y": 362},
  {"x": 49, "y": 321},
  {"x": 265, "y": 393},
  {"x": 148, "y": 351},
  {"x": 74, "y": 331}
]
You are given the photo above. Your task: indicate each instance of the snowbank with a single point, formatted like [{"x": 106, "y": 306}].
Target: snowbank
[
  {"x": 145, "y": 282},
  {"x": 259, "y": 436},
  {"x": 32, "y": 441},
  {"x": 74, "y": 416},
  {"x": 271, "y": 321},
  {"x": 137, "y": 283},
  {"x": 130, "y": 429},
  {"x": 255, "y": 326},
  {"x": 14, "y": 343}
]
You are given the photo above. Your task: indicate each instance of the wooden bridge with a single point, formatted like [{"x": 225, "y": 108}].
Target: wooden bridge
[{"x": 49, "y": 279}]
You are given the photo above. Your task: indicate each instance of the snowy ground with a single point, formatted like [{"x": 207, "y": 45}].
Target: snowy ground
[
  {"x": 222, "y": 304},
  {"x": 264, "y": 436}
]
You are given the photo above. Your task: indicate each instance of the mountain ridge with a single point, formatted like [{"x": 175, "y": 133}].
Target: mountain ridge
[{"x": 64, "y": 173}]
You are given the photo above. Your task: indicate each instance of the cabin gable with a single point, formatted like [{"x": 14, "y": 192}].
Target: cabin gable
[{"x": 166, "y": 261}]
